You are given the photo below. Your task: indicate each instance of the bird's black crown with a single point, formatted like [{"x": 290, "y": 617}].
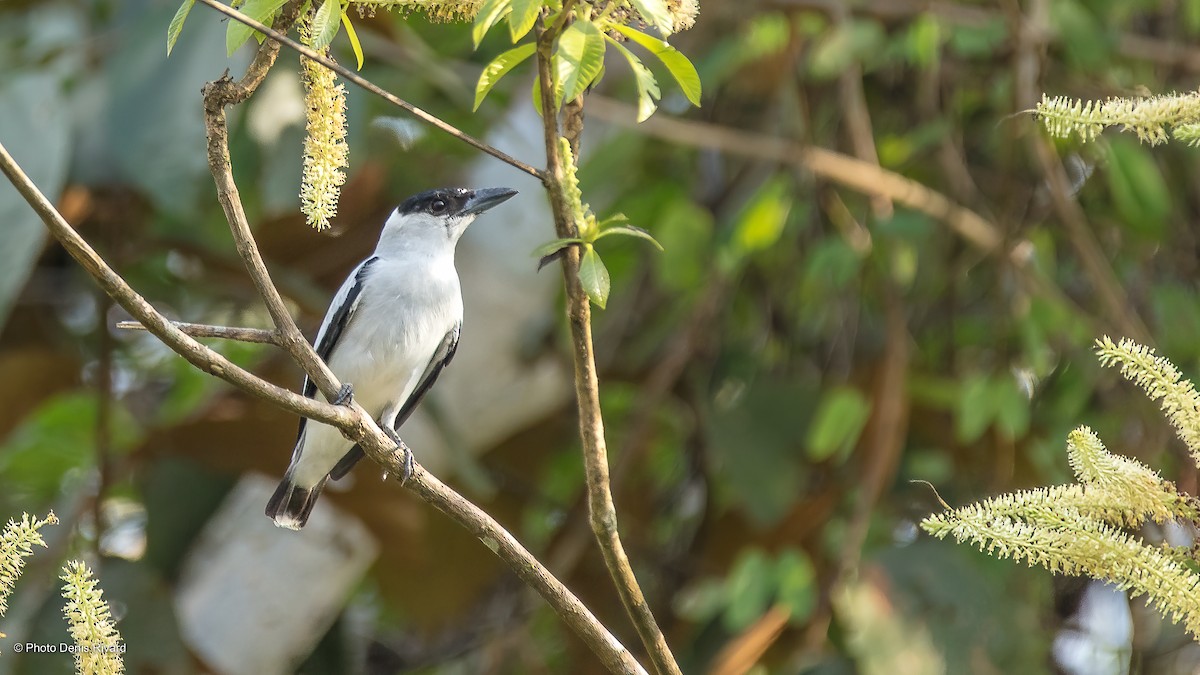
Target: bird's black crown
[{"x": 440, "y": 202}]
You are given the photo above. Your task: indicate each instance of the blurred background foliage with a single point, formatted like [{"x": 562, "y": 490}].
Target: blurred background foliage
[{"x": 773, "y": 382}]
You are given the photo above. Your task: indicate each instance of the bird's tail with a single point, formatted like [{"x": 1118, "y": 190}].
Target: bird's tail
[{"x": 291, "y": 504}]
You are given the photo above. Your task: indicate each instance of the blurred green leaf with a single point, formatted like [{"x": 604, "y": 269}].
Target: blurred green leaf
[
  {"x": 685, "y": 231},
  {"x": 762, "y": 221},
  {"x": 499, "y": 67},
  {"x": 1011, "y": 407},
  {"x": 594, "y": 277},
  {"x": 979, "y": 40},
  {"x": 844, "y": 44},
  {"x": 176, "y": 26},
  {"x": 1072, "y": 20},
  {"x": 975, "y": 411},
  {"x": 56, "y": 441},
  {"x": 837, "y": 424},
  {"x": 1138, "y": 189},
  {"x": 751, "y": 586},
  {"x": 923, "y": 42},
  {"x": 797, "y": 584}
]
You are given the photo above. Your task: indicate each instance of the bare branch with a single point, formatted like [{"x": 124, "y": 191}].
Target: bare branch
[
  {"x": 255, "y": 335},
  {"x": 602, "y": 512},
  {"x": 197, "y": 354},
  {"x": 352, "y": 421},
  {"x": 351, "y": 76}
]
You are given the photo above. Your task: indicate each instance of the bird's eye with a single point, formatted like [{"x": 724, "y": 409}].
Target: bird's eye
[{"x": 438, "y": 206}]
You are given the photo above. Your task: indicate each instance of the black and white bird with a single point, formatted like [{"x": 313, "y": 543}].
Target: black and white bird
[{"x": 391, "y": 328}]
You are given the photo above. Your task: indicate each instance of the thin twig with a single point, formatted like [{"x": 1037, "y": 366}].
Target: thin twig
[
  {"x": 602, "y": 512},
  {"x": 367, "y": 433},
  {"x": 201, "y": 330},
  {"x": 351, "y": 76},
  {"x": 197, "y": 354},
  {"x": 351, "y": 420}
]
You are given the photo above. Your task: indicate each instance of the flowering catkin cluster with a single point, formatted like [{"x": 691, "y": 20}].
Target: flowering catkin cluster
[
  {"x": 325, "y": 151},
  {"x": 1077, "y": 529},
  {"x": 98, "y": 645}
]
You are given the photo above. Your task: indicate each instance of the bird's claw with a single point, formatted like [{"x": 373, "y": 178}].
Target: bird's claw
[
  {"x": 402, "y": 448},
  {"x": 345, "y": 395}
]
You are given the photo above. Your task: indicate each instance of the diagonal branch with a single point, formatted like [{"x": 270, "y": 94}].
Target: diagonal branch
[
  {"x": 277, "y": 38},
  {"x": 353, "y": 421},
  {"x": 601, "y": 510}
]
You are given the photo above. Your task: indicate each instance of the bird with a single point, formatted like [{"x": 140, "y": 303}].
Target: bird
[{"x": 390, "y": 330}]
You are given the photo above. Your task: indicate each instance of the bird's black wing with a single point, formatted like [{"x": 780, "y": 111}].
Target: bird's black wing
[
  {"x": 340, "y": 313},
  {"x": 441, "y": 358}
]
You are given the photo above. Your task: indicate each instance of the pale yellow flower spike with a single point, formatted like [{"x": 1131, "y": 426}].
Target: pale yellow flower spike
[
  {"x": 1090, "y": 547},
  {"x": 325, "y": 149},
  {"x": 99, "y": 645},
  {"x": 16, "y": 543},
  {"x": 1148, "y": 117},
  {"x": 1160, "y": 380}
]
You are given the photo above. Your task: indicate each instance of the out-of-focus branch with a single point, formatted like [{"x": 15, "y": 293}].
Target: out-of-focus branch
[
  {"x": 869, "y": 179},
  {"x": 601, "y": 509},
  {"x": 1160, "y": 52}
]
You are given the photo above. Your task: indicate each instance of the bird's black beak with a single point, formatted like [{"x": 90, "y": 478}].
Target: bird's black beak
[{"x": 486, "y": 198}]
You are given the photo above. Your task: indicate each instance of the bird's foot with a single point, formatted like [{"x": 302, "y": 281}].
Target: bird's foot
[
  {"x": 345, "y": 395},
  {"x": 402, "y": 449}
]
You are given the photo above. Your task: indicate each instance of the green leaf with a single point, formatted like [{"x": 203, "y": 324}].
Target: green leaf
[
  {"x": 352, "y": 35},
  {"x": 498, "y": 68},
  {"x": 796, "y": 578},
  {"x": 680, "y": 67},
  {"x": 177, "y": 24},
  {"x": 750, "y": 587},
  {"x": 656, "y": 13},
  {"x": 524, "y": 15},
  {"x": 1138, "y": 189},
  {"x": 594, "y": 277},
  {"x": 488, "y": 15},
  {"x": 555, "y": 246},
  {"x": 762, "y": 222},
  {"x": 647, "y": 86},
  {"x": 975, "y": 411},
  {"x": 238, "y": 32},
  {"x": 838, "y": 422},
  {"x": 326, "y": 24},
  {"x": 580, "y": 59},
  {"x": 630, "y": 231}
]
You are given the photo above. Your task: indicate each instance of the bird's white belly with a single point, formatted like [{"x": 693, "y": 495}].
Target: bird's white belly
[{"x": 383, "y": 375}]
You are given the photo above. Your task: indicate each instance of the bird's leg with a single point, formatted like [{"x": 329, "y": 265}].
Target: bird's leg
[
  {"x": 345, "y": 395},
  {"x": 401, "y": 447}
]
